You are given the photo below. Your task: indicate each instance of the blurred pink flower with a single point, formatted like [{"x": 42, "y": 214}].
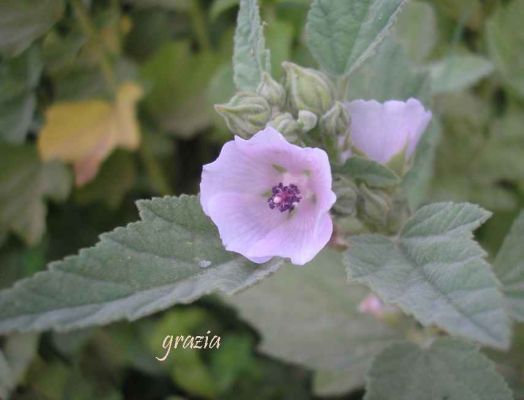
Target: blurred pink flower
[
  {"x": 269, "y": 198},
  {"x": 383, "y": 130}
]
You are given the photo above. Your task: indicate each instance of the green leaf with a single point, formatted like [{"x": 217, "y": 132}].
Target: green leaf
[
  {"x": 509, "y": 267},
  {"x": 389, "y": 74},
  {"x": 15, "y": 357},
  {"x": 368, "y": 171},
  {"x": 416, "y": 29},
  {"x": 449, "y": 369},
  {"x": 250, "y": 57},
  {"x": 505, "y": 40},
  {"x": 18, "y": 78},
  {"x": 173, "y": 255},
  {"x": 177, "y": 100},
  {"x": 24, "y": 184},
  {"x": 457, "y": 72},
  {"x": 435, "y": 271},
  {"x": 23, "y": 21},
  {"x": 220, "y": 6},
  {"x": 342, "y": 34},
  {"x": 309, "y": 316},
  {"x": 418, "y": 179}
]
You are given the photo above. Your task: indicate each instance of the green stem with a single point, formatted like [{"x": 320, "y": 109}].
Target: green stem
[
  {"x": 199, "y": 25},
  {"x": 90, "y": 31},
  {"x": 343, "y": 86}
]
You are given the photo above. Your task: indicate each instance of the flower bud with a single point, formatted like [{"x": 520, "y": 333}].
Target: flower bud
[
  {"x": 272, "y": 91},
  {"x": 307, "y": 89},
  {"x": 245, "y": 114},
  {"x": 336, "y": 121},
  {"x": 286, "y": 125},
  {"x": 373, "y": 206},
  {"x": 307, "y": 120},
  {"x": 347, "y": 195}
]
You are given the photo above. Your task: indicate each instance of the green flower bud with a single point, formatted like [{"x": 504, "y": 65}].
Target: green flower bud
[
  {"x": 373, "y": 206},
  {"x": 245, "y": 114},
  {"x": 286, "y": 125},
  {"x": 336, "y": 121},
  {"x": 307, "y": 89},
  {"x": 272, "y": 91},
  {"x": 347, "y": 195},
  {"x": 307, "y": 120}
]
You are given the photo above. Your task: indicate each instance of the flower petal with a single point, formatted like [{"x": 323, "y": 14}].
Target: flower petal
[
  {"x": 382, "y": 130},
  {"x": 300, "y": 238},
  {"x": 234, "y": 172},
  {"x": 243, "y": 220}
]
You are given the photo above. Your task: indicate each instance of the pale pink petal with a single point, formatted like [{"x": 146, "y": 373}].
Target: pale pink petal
[
  {"x": 300, "y": 239},
  {"x": 382, "y": 130}
]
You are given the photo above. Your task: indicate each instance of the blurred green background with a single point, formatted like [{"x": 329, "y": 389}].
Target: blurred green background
[{"x": 106, "y": 102}]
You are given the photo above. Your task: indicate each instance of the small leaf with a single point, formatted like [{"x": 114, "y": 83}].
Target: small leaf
[
  {"x": 449, "y": 369},
  {"x": 457, "y": 72},
  {"x": 342, "y": 34},
  {"x": 309, "y": 316},
  {"x": 418, "y": 179},
  {"x": 250, "y": 57},
  {"x": 220, "y": 6},
  {"x": 368, "y": 171},
  {"x": 24, "y": 184},
  {"x": 436, "y": 272},
  {"x": 416, "y": 30},
  {"x": 84, "y": 133},
  {"x": 389, "y": 74},
  {"x": 15, "y": 357},
  {"x": 173, "y": 255},
  {"x": 23, "y": 21},
  {"x": 178, "y": 100},
  {"x": 509, "y": 267},
  {"x": 18, "y": 79},
  {"x": 506, "y": 44}
]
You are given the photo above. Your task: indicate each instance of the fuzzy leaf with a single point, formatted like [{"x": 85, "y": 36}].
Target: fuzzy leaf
[
  {"x": 416, "y": 29},
  {"x": 309, "y": 316},
  {"x": 389, "y": 74},
  {"x": 24, "y": 184},
  {"x": 22, "y": 21},
  {"x": 250, "y": 57},
  {"x": 449, "y": 369},
  {"x": 368, "y": 171},
  {"x": 177, "y": 101},
  {"x": 505, "y": 40},
  {"x": 342, "y": 34},
  {"x": 457, "y": 72},
  {"x": 18, "y": 79},
  {"x": 509, "y": 267},
  {"x": 435, "y": 271},
  {"x": 15, "y": 357},
  {"x": 173, "y": 255},
  {"x": 418, "y": 179}
]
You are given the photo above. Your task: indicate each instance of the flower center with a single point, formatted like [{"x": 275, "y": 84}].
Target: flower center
[{"x": 284, "y": 197}]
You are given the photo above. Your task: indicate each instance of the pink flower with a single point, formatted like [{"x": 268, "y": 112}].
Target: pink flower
[
  {"x": 383, "y": 130},
  {"x": 269, "y": 198}
]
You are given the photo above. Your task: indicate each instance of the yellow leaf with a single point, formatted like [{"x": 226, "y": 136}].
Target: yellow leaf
[{"x": 84, "y": 133}]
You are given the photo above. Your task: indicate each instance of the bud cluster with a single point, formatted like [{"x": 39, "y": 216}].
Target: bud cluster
[
  {"x": 379, "y": 209},
  {"x": 303, "y": 102}
]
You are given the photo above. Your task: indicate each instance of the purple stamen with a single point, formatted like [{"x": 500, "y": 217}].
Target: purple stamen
[{"x": 284, "y": 197}]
